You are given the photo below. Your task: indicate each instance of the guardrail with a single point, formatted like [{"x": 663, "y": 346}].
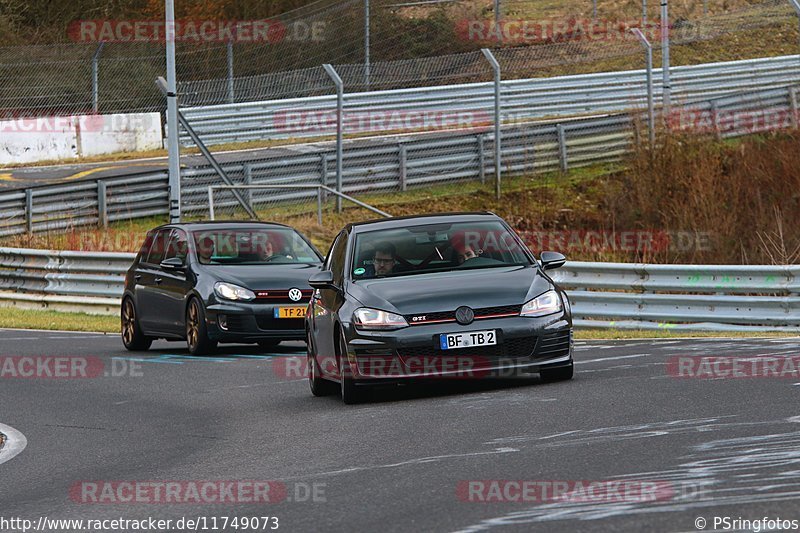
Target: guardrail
[
  {"x": 381, "y": 164},
  {"x": 85, "y": 282},
  {"x": 602, "y": 295},
  {"x": 386, "y": 164},
  {"x": 374, "y": 165},
  {"x": 683, "y": 297},
  {"x": 526, "y": 99}
]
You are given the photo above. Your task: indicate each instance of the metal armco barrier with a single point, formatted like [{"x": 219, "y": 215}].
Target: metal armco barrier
[
  {"x": 602, "y": 295},
  {"x": 720, "y": 297},
  {"x": 88, "y": 282},
  {"x": 526, "y": 99},
  {"x": 388, "y": 163}
]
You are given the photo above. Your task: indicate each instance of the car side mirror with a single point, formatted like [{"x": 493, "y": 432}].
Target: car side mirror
[
  {"x": 323, "y": 280},
  {"x": 173, "y": 263},
  {"x": 551, "y": 260}
]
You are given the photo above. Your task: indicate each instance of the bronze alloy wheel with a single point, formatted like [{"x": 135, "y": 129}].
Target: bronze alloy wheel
[
  {"x": 196, "y": 330},
  {"x": 132, "y": 336}
]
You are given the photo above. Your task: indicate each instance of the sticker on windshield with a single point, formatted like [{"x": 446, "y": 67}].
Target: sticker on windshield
[{"x": 359, "y": 271}]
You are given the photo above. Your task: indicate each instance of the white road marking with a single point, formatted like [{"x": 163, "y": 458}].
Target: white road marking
[
  {"x": 421, "y": 460},
  {"x": 15, "y": 443},
  {"x": 612, "y": 358}
]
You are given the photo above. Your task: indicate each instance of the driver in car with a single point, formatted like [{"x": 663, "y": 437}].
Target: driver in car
[
  {"x": 205, "y": 250},
  {"x": 384, "y": 260}
]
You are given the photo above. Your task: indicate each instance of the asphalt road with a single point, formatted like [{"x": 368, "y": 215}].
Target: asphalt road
[{"x": 720, "y": 447}]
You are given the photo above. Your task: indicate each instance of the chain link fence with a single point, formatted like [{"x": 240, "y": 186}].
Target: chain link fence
[{"x": 111, "y": 77}]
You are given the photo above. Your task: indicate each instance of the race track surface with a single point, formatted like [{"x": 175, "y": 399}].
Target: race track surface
[{"x": 714, "y": 447}]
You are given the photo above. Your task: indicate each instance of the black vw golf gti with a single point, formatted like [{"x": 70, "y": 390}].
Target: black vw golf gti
[
  {"x": 440, "y": 296},
  {"x": 217, "y": 282}
]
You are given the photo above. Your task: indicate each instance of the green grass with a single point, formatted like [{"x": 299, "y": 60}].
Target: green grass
[{"x": 14, "y": 318}]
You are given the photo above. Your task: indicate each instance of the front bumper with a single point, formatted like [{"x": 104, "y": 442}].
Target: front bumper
[
  {"x": 252, "y": 322},
  {"x": 525, "y": 346}
]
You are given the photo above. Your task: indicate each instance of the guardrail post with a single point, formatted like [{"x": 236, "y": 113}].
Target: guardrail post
[
  {"x": 481, "y": 158},
  {"x": 319, "y": 205},
  {"x": 96, "y": 77},
  {"x": 29, "y": 210},
  {"x": 715, "y": 119},
  {"x": 231, "y": 95},
  {"x": 403, "y": 155},
  {"x": 651, "y": 113},
  {"x": 667, "y": 90},
  {"x": 102, "y": 204},
  {"x": 497, "y": 122},
  {"x": 247, "y": 170},
  {"x": 323, "y": 174},
  {"x": 793, "y": 106},
  {"x": 339, "y": 129},
  {"x": 562, "y": 147}
]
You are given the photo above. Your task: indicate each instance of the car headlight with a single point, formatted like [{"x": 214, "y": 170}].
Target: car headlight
[
  {"x": 365, "y": 318},
  {"x": 229, "y": 291},
  {"x": 544, "y": 304}
]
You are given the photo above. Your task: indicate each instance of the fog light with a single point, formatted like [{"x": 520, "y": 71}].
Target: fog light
[{"x": 223, "y": 322}]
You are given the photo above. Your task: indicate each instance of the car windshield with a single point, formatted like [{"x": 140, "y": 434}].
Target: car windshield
[
  {"x": 435, "y": 248},
  {"x": 252, "y": 247}
]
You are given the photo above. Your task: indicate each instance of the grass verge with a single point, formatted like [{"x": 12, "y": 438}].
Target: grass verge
[{"x": 14, "y": 318}]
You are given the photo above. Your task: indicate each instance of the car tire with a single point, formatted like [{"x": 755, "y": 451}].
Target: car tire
[
  {"x": 319, "y": 385},
  {"x": 268, "y": 344},
  {"x": 196, "y": 329},
  {"x": 349, "y": 391},
  {"x": 563, "y": 373},
  {"x": 132, "y": 336}
]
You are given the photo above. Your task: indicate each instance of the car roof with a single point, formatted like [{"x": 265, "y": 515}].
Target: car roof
[
  {"x": 216, "y": 224},
  {"x": 419, "y": 220}
]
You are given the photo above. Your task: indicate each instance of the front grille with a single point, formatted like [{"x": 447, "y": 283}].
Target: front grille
[
  {"x": 554, "y": 344},
  {"x": 282, "y": 296},
  {"x": 510, "y": 348},
  {"x": 450, "y": 316},
  {"x": 268, "y": 323}
]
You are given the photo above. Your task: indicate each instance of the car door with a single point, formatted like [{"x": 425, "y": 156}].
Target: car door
[
  {"x": 150, "y": 312},
  {"x": 174, "y": 285},
  {"x": 326, "y": 303}
]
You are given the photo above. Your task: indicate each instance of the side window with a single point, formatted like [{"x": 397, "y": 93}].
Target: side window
[
  {"x": 178, "y": 245},
  {"x": 336, "y": 258},
  {"x": 156, "y": 254},
  {"x": 148, "y": 242}
]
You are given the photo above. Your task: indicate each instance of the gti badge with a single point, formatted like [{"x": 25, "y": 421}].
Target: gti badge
[{"x": 295, "y": 295}]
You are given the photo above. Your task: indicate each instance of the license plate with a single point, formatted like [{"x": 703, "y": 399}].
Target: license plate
[
  {"x": 290, "y": 312},
  {"x": 471, "y": 339}
]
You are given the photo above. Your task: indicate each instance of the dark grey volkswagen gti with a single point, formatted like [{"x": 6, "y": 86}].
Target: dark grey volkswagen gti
[
  {"x": 214, "y": 282},
  {"x": 440, "y": 296}
]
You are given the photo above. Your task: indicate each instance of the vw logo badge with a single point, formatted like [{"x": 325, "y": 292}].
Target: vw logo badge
[
  {"x": 464, "y": 315},
  {"x": 295, "y": 295}
]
